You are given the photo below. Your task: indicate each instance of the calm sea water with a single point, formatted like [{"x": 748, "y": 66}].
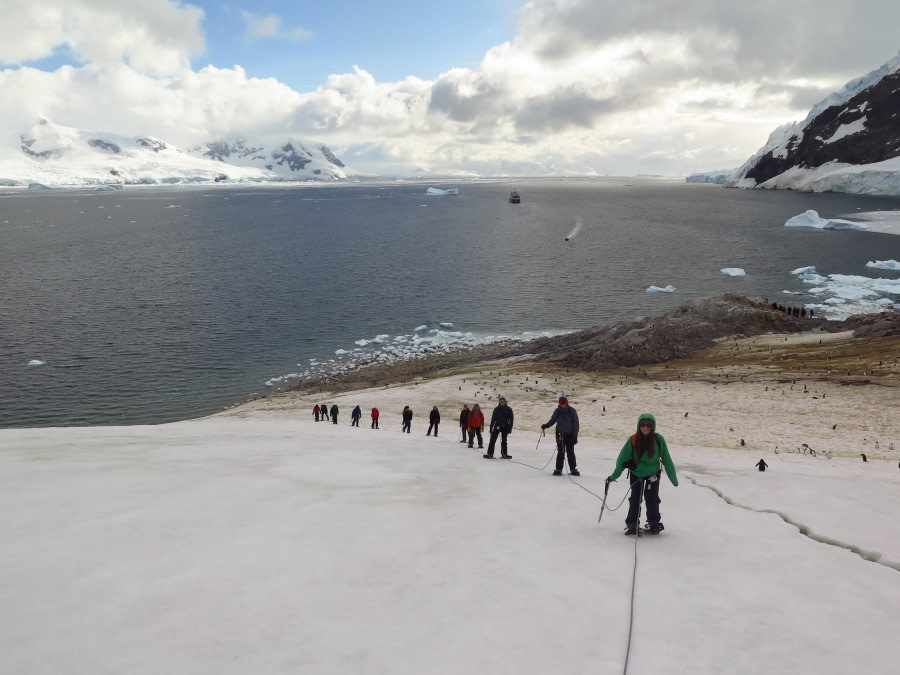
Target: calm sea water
[{"x": 152, "y": 305}]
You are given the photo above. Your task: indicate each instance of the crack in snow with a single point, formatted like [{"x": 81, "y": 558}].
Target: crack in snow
[{"x": 871, "y": 556}]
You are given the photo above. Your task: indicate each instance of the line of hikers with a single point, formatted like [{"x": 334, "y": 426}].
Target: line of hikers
[
  {"x": 645, "y": 453},
  {"x": 321, "y": 414},
  {"x": 793, "y": 311}
]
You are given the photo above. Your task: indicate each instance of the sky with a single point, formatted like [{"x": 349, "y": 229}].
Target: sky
[
  {"x": 482, "y": 87},
  {"x": 262, "y": 542}
]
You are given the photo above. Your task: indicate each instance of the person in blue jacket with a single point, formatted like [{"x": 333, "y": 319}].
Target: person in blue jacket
[{"x": 643, "y": 454}]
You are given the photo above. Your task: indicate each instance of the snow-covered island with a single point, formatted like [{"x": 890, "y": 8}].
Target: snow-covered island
[{"x": 52, "y": 155}]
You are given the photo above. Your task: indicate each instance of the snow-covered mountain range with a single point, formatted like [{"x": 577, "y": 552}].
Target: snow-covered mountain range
[
  {"x": 54, "y": 155},
  {"x": 849, "y": 142}
]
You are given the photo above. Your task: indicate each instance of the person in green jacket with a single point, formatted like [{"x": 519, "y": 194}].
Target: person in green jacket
[{"x": 642, "y": 454}]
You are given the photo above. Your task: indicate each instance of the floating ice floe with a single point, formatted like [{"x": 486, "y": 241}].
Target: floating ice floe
[
  {"x": 884, "y": 265},
  {"x": 435, "y": 192},
  {"x": 420, "y": 328},
  {"x": 812, "y": 219},
  {"x": 841, "y": 295},
  {"x": 378, "y": 339},
  {"x": 386, "y": 350},
  {"x": 446, "y": 324},
  {"x": 733, "y": 271},
  {"x": 34, "y": 363},
  {"x": 661, "y": 289}
]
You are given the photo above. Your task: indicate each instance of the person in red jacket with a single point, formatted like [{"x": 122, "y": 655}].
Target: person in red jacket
[
  {"x": 316, "y": 412},
  {"x": 374, "y": 418},
  {"x": 476, "y": 425}
]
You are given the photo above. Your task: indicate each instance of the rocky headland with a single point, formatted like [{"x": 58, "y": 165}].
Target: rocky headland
[{"x": 692, "y": 336}]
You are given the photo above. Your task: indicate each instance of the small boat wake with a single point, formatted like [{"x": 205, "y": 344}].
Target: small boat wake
[{"x": 575, "y": 231}]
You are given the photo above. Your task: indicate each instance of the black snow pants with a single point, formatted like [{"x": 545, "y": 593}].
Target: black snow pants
[
  {"x": 648, "y": 488},
  {"x": 565, "y": 448}
]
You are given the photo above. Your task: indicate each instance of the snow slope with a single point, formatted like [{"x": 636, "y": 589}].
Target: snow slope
[{"x": 263, "y": 542}]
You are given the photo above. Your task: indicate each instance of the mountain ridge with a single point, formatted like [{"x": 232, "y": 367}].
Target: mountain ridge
[
  {"x": 54, "y": 155},
  {"x": 849, "y": 142}
]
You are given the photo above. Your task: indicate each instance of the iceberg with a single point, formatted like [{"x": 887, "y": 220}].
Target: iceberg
[
  {"x": 733, "y": 271},
  {"x": 437, "y": 192},
  {"x": 657, "y": 289},
  {"x": 34, "y": 363},
  {"x": 884, "y": 265},
  {"x": 812, "y": 220}
]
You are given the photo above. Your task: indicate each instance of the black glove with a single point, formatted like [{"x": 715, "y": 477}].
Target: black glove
[{"x": 543, "y": 426}]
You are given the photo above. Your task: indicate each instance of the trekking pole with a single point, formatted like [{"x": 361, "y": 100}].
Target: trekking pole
[{"x": 605, "y": 492}]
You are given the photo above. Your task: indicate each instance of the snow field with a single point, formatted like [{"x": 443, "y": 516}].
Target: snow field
[{"x": 263, "y": 542}]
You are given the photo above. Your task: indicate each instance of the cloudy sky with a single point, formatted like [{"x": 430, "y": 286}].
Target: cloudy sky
[{"x": 487, "y": 87}]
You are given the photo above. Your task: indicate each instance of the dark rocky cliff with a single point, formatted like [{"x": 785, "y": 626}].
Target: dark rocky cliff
[{"x": 811, "y": 147}]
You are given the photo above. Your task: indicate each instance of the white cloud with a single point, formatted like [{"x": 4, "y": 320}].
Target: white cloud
[
  {"x": 586, "y": 85},
  {"x": 270, "y": 26},
  {"x": 157, "y": 36}
]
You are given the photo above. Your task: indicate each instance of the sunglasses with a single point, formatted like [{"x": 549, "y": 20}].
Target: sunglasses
[{"x": 645, "y": 423}]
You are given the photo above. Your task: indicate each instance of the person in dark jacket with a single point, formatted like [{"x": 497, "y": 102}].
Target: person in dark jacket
[
  {"x": 434, "y": 419},
  {"x": 501, "y": 425},
  {"x": 464, "y": 423},
  {"x": 642, "y": 454},
  {"x": 323, "y": 412},
  {"x": 334, "y": 413},
  {"x": 565, "y": 417},
  {"x": 354, "y": 416},
  {"x": 762, "y": 465},
  {"x": 407, "y": 420}
]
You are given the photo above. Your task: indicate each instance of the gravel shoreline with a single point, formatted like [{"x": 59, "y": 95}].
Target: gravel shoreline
[{"x": 684, "y": 334}]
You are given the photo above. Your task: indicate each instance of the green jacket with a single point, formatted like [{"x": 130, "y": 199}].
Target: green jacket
[{"x": 647, "y": 465}]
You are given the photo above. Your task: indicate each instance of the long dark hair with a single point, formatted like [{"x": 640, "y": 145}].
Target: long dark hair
[{"x": 646, "y": 444}]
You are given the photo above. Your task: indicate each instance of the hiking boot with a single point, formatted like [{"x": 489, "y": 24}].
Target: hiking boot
[
  {"x": 575, "y": 472},
  {"x": 471, "y": 446},
  {"x": 557, "y": 472},
  {"x": 506, "y": 456},
  {"x": 488, "y": 456},
  {"x": 631, "y": 529},
  {"x": 656, "y": 528}
]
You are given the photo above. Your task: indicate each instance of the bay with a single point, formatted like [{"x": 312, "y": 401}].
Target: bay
[{"x": 153, "y": 305}]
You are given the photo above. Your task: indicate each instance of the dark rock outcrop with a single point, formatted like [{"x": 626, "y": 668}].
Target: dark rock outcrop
[
  {"x": 295, "y": 158},
  {"x": 109, "y": 146},
  {"x": 679, "y": 333},
  {"x": 151, "y": 144}
]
